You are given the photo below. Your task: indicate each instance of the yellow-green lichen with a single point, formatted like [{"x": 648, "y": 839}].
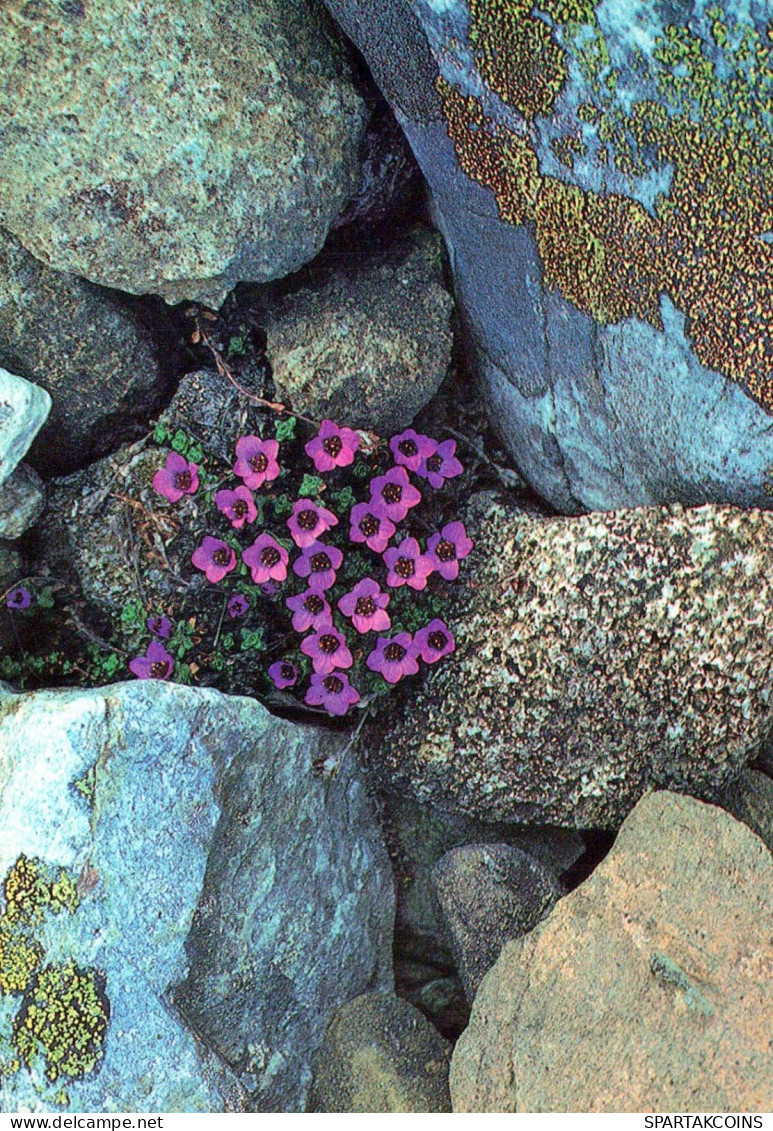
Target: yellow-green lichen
[
  {"x": 63, "y": 1021},
  {"x": 31, "y": 889},
  {"x": 20, "y": 957},
  {"x": 708, "y": 245}
]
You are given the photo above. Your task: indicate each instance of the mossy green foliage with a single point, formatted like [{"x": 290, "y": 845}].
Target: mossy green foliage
[
  {"x": 63, "y": 1021},
  {"x": 709, "y": 122}
]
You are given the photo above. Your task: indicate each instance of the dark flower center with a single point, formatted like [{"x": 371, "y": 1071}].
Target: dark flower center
[
  {"x": 405, "y": 567},
  {"x": 159, "y": 669},
  {"x": 182, "y": 480},
  {"x": 329, "y": 643},
  {"x": 269, "y": 556},
  {"x": 394, "y": 652},
  {"x": 392, "y": 493},
  {"x": 370, "y": 525},
  {"x": 313, "y": 604},
  {"x": 287, "y": 671},
  {"x": 332, "y": 445},
  {"x": 319, "y": 563},
  {"x": 365, "y": 607},
  {"x": 435, "y": 463},
  {"x": 240, "y": 508},
  {"x": 408, "y": 448},
  {"x": 259, "y": 462},
  {"x": 308, "y": 519},
  {"x": 446, "y": 551},
  {"x": 222, "y": 556},
  {"x": 333, "y": 684},
  {"x": 155, "y": 624},
  {"x": 437, "y": 640}
]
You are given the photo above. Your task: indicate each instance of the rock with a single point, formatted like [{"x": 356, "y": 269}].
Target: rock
[
  {"x": 489, "y": 894},
  {"x": 366, "y": 342},
  {"x": 175, "y": 151},
  {"x": 595, "y": 657},
  {"x": 380, "y": 1055},
  {"x": 750, "y": 799},
  {"x": 648, "y": 988},
  {"x": 149, "y": 832},
  {"x": 22, "y": 499},
  {"x": 78, "y": 343},
  {"x": 23, "y": 411},
  {"x": 607, "y": 227}
]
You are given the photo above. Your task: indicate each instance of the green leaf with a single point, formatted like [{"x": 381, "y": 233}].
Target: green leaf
[
  {"x": 195, "y": 453},
  {"x": 344, "y": 499},
  {"x": 360, "y": 470},
  {"x": 217, "y": 662},
  {"x": 282, "y": 506},
  {"x": 311, "y": 485},
  {"x": 133, "y": 613},
  {"x": 242, "y": 570},
  {"x": 228, "y": 642},
  {"x": 180, "y": 442},
  {"x": 237, "y": 345},
  {"x": 252, "y": 639},
  {"x": 46, "y": 598},
  {"x": 161, "y": 433},
  {"x": 285, "y": 429}
]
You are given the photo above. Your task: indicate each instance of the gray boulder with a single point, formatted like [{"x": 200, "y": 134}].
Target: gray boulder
[
  {"x": 750, "y": 799},
  {"x": 595, "y": 657},
  {"x": 23, "y": 411},
  {"x": 22, "y": 499},
  {"x": 648, "y": 988},
  {"x": 148, "y": 833},
  {"x": 602, "y": 175},
  {"x": 175, "y": 150}
]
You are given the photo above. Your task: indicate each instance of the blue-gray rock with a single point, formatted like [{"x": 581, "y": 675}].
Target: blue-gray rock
[
  {"x": 139, "y": 824},
  {"x": 22, "y": 499},
  {"x": 602, "y": 176},
  {"x": 23, "y": 411},
  {"x": 175, "y": 150}
]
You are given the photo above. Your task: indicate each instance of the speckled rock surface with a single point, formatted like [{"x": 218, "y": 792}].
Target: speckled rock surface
[
  {"x": 647, "y": 989},
  {"x": 750, "y": 799},
  {"x": 489, "y": 894},
  {"x": 596, "y": 657},
  {"x": 24, "y": 407},
  {"x": 601, "y": 172},
  {"x": 368, "y": 341},
  {"x": 22, "y": 498},
  {"x": 77, "y": 342},
  {"x": 175, "y": 150},
  {"x": 154, "y": 822},
  {"x": 380, "y": 1055}
]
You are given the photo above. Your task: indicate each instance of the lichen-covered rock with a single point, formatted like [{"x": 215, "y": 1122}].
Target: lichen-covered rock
[
  {"x": 369, "y": 342},
  {"x": 489, "y": 894},
  {"x": 649, "y": 988},
  {"x": 602, "y": 175},
  {"x": 141, "y": 825},
  {"x": 23, "y": 411},
  {"x": 77, "y": 342},
  {"x": 175, "y": 150},
  {"x": 595, "y": 657},
  {"x": 380, "y": 1055},
  {"x": 750, "y": 799},
  {"x": 22, "y": 498}
]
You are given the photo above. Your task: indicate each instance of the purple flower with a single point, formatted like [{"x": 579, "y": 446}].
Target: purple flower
[
  {"x": 215, "y": 558},
  {"x": 283, "y": 674},
  {"x": 441, "y": 465},
  {"x": 365, "y": 604},
  {"x": 394, "y": 494},
  {"x": 333, "y": 692},
  {"x": 266, "y": 559},
  {"x": 18, "y": 598},
  {"x": 394, "y": 657},
  {"x": 407, "y": 565},
  {"x": 410, "y": 448},
  {"x": 176, "y": 478},
  {"x": 310, "y": 610},
  {"x": 319, "y": 563},
  {"x": 269, "y": 588},
  {"x": 159, "y": 626},
  {"x": 237, "y": 605},
  {"x": 332, "y": 446},
  {"x": 155, "y": 664},
  {"x": 434, "y": 641},
  {"x": 309, "y": 521},
  {"x": 238, "y": 506},
  {"x": 327, "y": 650},
  {"x": 446, "y": 549},
  {"x": 256, "y": 460},
  {"x": 370, "y": 526}
]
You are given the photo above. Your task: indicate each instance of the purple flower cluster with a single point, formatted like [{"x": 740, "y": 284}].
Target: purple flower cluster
[{"x": 320, "y": 615}]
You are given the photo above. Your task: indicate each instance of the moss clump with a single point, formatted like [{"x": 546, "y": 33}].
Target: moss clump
[{"x": 63, "y": 1021}]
